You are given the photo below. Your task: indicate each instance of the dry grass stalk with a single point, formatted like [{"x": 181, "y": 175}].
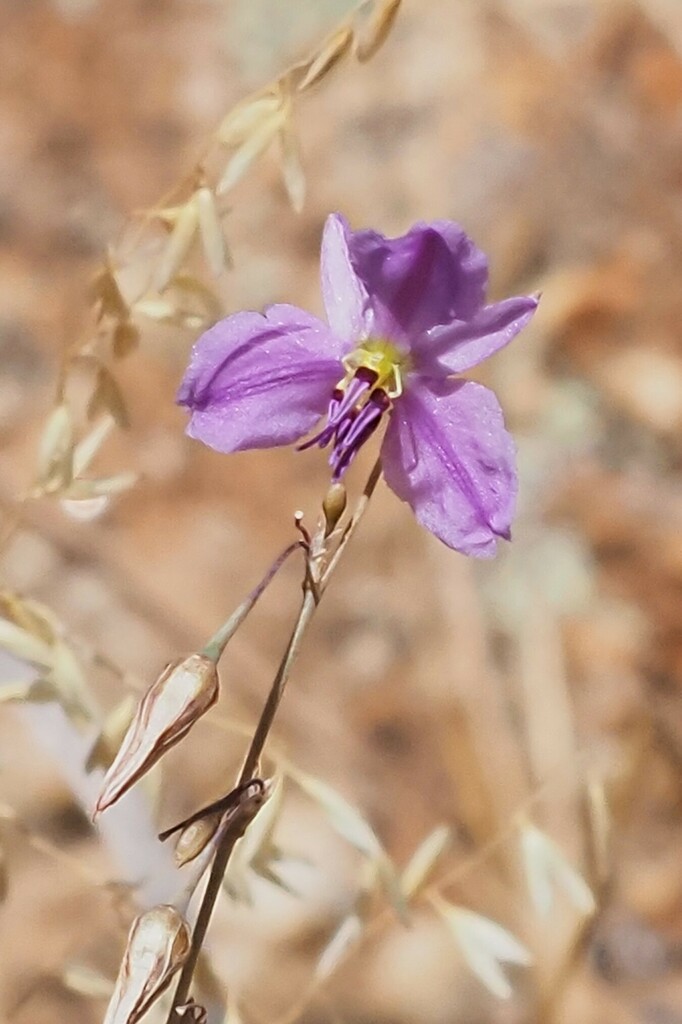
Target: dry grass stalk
[
  {"x": 327, "y": 57},
  {"x": 293, "y": 174},
  {"x": 382, "y": 17},
  {"x": 247, "y": 131},
  {"x": 485, "y": 945}
]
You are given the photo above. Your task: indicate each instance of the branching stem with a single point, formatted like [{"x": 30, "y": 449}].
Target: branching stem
[{"x": 315, "y": 584}]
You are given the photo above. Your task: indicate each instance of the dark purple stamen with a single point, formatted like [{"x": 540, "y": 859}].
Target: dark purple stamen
[
  {"x": 343, "y": 404},
  {"x": 363, "y": 425}
]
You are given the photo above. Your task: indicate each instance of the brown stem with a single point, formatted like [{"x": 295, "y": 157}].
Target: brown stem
[{"x": 315, "y": 583}]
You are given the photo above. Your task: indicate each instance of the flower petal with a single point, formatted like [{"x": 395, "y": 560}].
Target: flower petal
[
  {"x": 462, "y": 344},
  {"x": 345, "y": 298},
  {"x": 447, "y": 453},
  {"x": 430, "y": 276},
  {"x": 259, "y": 380}
]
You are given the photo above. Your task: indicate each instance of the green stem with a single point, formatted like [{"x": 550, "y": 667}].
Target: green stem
[{"x": 218, "y": 642}]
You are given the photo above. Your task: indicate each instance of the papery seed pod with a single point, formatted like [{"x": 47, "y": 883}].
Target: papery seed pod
[
  {"x": 158, "y": 945},
  {"x": 184, "y": 691}
]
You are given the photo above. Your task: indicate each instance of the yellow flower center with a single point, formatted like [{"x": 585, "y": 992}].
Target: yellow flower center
[{"x": 383, "y": 358}]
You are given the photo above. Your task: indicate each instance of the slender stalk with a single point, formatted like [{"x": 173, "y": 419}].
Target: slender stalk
[
  {"x": 216, "y": 645},
  {"x": 314, "y": 585}
]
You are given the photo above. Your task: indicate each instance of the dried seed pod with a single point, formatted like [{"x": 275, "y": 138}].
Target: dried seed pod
[
  {"x": 158, "y": 945},
  {"x": 184, "y": 691}
]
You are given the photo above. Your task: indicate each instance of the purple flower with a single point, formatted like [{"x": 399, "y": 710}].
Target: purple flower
[{"x": 405, "y": 315}]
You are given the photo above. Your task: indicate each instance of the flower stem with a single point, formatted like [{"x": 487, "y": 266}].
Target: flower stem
[
  {"x": 315, "y": 583},
  {"x": 216, "y": 645}
]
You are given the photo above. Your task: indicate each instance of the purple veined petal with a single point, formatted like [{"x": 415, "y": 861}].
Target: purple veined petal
[
  {"x": 259, "y": 380},
  {"x": 447, "y": 453},
  {"x": 432, "y": 275},
  {"x": 460, "y": 345},
  {"x": 345, "y": 299}
]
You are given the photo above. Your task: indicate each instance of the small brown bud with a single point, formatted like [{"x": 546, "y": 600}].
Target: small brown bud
[
  {"x": 158, "y": 945},
  {"x": 195, "y": 837},
  {"x": 184, "y": 691},
  {"x": 333, "y": 506}
]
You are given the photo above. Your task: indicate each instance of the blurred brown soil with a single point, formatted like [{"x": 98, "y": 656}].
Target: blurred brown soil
[{"x": 430, "y": 689}]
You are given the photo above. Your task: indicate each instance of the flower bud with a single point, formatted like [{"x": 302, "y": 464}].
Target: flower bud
[
  {"x": 184, "y": 691},
  {"x": 195, "y": 837},
  {"x": 333, "y": 506},
  {"x": 158, "y": 945}
]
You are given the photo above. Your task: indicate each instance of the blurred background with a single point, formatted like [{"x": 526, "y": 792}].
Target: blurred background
[{"x": 431, "y": 690}]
